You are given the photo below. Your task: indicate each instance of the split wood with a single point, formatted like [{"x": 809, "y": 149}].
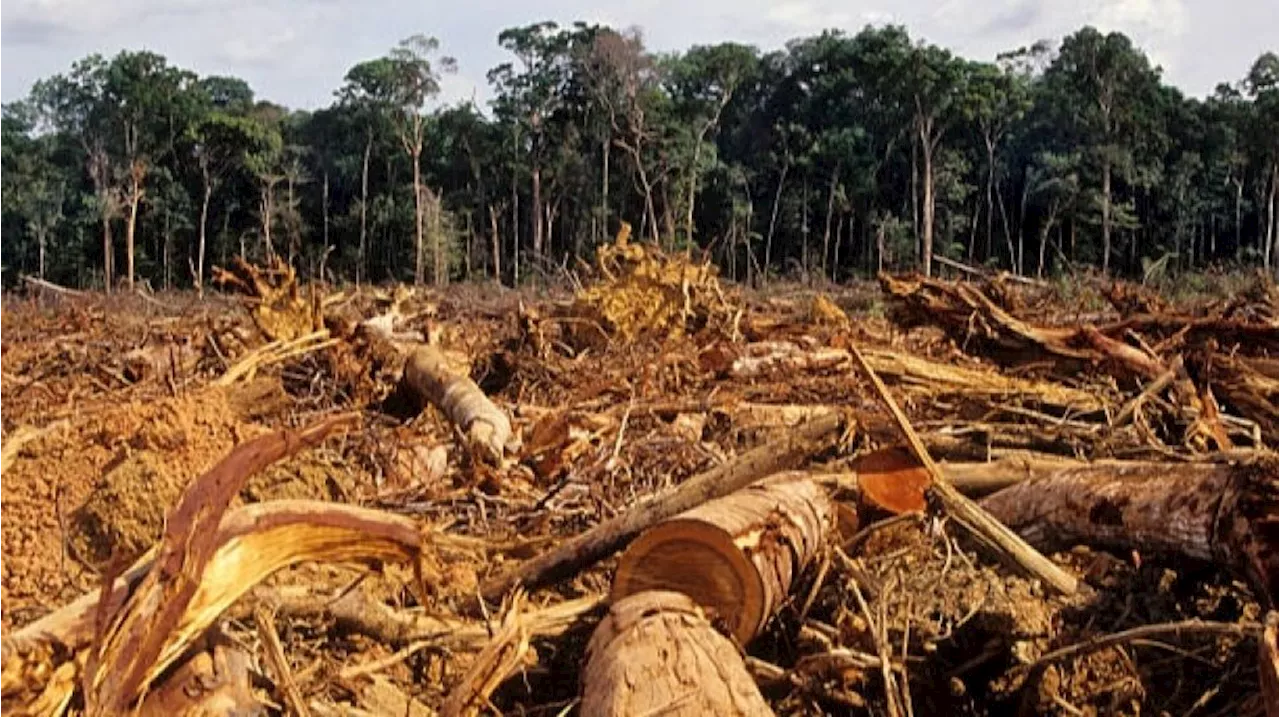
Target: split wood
[
  {"x": 587, "y": 548},
  {"x": 969, "y": 514}
]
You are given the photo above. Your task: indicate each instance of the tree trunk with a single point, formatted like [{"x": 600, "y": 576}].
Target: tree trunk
[
  {"x": 1008, "y": 235},
  {"x": 926, "y": 147},
  {"x": 656, "y": 653},
  {"x": 131, "y": 225},
  {"x": 495, "y": 243},
  {"x": 515, "y": 231},
  {"x": 991, "y": 185},
  {"x": 1239, "y": 209},
  {"x": 1222, "y": 513},
  {"x": 107, "y": 251},
  {"x": 267, "y": 205},
  {"x": 773, "y": 216},
  {"x": 1019, "y": 266},
  {"x": 603, "y": 234},
  {"x": 1106, "y": 215},
  {"x": 1044, "y": 240},
  {"x": 324, "y": 208},
  {"x": 826, "y": 227},
  {"x": 362, "y": 253},
  {"x": 40, "y": 242},
  {"x": 536, "y": 211},
  {"x": 915, "y": 191},
  {"x": 586, "y": 548},
  {"x": 702, "y": 551},
  {"x": 419, "y": 256},
  {"x": 203, "y": 236}
]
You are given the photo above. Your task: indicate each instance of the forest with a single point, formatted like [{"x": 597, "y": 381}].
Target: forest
[{"x": 838, "y": 156}]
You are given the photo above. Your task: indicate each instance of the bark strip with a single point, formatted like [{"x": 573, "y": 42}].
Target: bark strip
[{"x": 655, "y": 653}]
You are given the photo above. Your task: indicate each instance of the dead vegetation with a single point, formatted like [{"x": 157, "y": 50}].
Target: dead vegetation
[{"x": 659, "y": 494}]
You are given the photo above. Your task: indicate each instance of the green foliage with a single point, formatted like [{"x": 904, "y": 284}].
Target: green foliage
[{"x": 834, "y": 155}]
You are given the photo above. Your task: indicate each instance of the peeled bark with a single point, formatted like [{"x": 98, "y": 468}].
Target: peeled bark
[
  {"x": 736, "y": 556},
  {"x": 656, "y": 653},
  {"x": 1220, "y": 513}
]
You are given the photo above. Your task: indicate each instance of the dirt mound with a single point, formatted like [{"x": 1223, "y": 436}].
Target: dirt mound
[
  {"x": 125, "y": 514},
  {"x": 113, "y": 474}
]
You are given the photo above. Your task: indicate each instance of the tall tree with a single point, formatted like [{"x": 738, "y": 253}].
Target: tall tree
[{"x": 1103, "y": 83}]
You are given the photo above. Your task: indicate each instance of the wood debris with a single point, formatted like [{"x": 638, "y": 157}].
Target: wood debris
[{"x": 655, "y": 493}]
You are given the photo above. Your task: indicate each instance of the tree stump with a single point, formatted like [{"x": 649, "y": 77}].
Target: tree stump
[
  {"x": 736, "y": 556},
  {"x": 655, "y": 653}
]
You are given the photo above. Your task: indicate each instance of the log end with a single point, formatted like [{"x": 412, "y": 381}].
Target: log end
[
  {"x": 701, "y": 561},
  {"x": 892, "y": 479}
]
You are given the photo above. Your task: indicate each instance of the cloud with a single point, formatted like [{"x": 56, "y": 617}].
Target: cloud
[
  {"x": 30, "y": 31},
  {"x": 1016, "y": 18},
  {"x": 259, "y": 50}
]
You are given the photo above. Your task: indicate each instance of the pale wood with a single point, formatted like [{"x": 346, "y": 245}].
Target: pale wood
[
  {"x": 736, "y": 556},
  {"x": 656, "y": 653}
]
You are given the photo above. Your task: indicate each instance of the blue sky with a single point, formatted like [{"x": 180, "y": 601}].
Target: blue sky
[{"x": 296, "y": 51}]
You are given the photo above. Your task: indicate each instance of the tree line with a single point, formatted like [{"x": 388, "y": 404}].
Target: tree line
[{"x": 836, "y": 156}]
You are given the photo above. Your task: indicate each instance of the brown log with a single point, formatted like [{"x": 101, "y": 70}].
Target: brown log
[
  {"x": 1269, "y": 664},
  {"x": 1224, "y": 513},
  {"x": 488, "y": 430},
  {"x": 586, "y": 548},
  {"x": 655, "y": 653},
  {"x": 736, "y": 556}
]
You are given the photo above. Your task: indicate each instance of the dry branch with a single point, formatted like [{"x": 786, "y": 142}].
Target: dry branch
[
  {"x": 506, "y": 651},
  {"x": 586, "y": 548},
  {"x": 655, "y": 653},
  {"x": 736, "y": 556}
]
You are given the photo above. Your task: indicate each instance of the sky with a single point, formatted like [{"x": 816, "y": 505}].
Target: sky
[{"x": 295, "y": 52}]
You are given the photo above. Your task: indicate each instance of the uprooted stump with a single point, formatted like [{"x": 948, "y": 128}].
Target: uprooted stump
[
  {"x": 656, "y": 653},
  {"x": 737, "y": 556},
  {"x": 1224, "y": 513}
]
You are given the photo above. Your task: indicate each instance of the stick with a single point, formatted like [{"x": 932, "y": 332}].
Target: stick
[
  {"x": 279, "y": 663},
  {"x": 970, "y": 514},
  {"x": 1185, "y": 627},
  {"x": 587, "y": 548}
]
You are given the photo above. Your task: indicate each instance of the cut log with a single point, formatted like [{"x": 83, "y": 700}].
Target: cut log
[
  {"x": 655, "y": 653},
  {"x": 429, "y": 378},
  {"x": 736, "y": 556},
  {"x": 1225, "y": 513},
  {"x": 586, "y": 548}
]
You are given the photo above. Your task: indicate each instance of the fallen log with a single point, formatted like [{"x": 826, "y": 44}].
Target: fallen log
[
  {"x": 736, "y": 556},
  {"x": 429, "y": 379},
  {"x": 586, "y": 548},
  {"x": 656, "y": 653},
  {"x": 1223, "y": 513}
]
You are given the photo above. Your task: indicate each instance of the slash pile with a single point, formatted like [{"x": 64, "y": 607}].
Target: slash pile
[{"x": 657, "y": 494}]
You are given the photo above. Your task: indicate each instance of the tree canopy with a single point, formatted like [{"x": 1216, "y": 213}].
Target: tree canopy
[{"x": 835, "y": 156}]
